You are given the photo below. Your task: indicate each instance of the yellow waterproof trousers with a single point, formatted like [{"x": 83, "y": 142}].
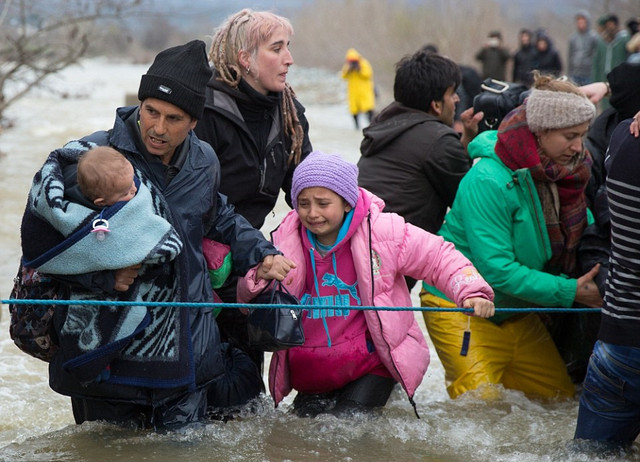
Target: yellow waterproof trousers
[{"x": 519, "y": 353}]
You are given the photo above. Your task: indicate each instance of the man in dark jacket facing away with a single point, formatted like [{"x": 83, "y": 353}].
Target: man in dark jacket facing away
[
  {"x": 178, "y": 367},
  {"x": 411, "y": 156}
]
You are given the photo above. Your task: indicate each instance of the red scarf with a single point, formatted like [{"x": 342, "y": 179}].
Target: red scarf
[{"x": 517, "y": 148}]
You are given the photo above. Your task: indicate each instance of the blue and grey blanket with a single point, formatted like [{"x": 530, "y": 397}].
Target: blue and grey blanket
[{"x": 133, "y": 345}]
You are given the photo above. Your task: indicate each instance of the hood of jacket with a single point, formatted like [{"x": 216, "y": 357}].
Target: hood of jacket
[
  {"x": 392, "y": 122},
  {"x": 483, "y": 145},
  {"x": 352, "y": 55}
]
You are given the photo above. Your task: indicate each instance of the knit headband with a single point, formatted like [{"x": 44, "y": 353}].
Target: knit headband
[{"x": 548, "y": 110}]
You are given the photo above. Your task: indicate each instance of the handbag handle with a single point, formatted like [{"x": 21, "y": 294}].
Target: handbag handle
[{"x": 274, "y": 287}]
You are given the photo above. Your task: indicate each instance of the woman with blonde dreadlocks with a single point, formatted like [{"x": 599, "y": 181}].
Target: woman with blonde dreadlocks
[{"x": 256, "y": 127}]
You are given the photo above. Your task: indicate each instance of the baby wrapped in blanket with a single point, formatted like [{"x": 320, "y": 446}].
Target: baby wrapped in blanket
[{"x": 119, "y": 221}]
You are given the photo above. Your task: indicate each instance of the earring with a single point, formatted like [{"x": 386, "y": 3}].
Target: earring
[
  {"x": 539, "y": 147},
  {"x": 248, "y": 69}
]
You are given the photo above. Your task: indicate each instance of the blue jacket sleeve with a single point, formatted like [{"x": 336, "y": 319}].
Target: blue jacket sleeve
[{"x": 248, "y": 245}]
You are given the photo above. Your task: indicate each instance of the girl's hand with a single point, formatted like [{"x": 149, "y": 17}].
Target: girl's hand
[{"x": 482, "y": 307}]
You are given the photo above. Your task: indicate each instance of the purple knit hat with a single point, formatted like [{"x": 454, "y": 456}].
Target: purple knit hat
[{"x": 328, "y": 171}]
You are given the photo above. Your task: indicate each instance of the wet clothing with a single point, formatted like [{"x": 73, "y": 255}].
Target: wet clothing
[
  {"x": 609, "y": 410},
  {"x": 360, "y": 86},
  {"x": 138, "y": 233},
  {"x": 368, "y": 392},
  {"x": 497, "y": 222},
  {"x": 620, "y": 313},
  {"x": 245, "y": 129},
  {"x": 609, "y": 405},
  {"x": 414, "y": 162},
  {"x": 517, "y": 353},
  {"x": 197, "y": 209},
  {"x": 383, "y": 249}
]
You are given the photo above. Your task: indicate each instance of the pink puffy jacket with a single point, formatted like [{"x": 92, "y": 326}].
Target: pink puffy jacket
[{"x": 383, "y": 254}]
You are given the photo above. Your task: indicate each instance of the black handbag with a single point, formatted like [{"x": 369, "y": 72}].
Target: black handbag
[{"x": 274, "y": 329}]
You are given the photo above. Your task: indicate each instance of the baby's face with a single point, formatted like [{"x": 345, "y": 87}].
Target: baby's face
[{"x": 123, "y": 189}]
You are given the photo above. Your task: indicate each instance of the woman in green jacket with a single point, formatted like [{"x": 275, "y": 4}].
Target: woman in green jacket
[{"x": 518, "y": 216}]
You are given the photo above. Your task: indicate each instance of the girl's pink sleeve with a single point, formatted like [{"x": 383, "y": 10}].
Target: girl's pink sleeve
[
  {"x": 248, "y": 287},
  {"x": 444, "y": 267}
]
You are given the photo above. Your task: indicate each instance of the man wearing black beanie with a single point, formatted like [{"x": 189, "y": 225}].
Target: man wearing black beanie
[
  {"x": 179, "y": 76},
  {"x": 177, "y": 367}
]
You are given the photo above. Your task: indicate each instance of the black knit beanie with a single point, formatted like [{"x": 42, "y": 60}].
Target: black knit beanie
[
  {"x": 625, "y": 91},
  {"x": 179, "y": 75}
]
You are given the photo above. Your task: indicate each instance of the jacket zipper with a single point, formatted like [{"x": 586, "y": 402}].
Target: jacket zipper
[{"x": 413, "y": 404}]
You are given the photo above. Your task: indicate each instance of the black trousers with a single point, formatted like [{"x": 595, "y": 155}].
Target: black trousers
[
  {"x": 233, "y": 324},
  {"x": 219, "y": 399},
  {"x": 364, "y": 394}
]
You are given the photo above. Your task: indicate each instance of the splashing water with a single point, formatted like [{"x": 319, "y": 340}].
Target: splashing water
[{"x": 36, "y": 424}]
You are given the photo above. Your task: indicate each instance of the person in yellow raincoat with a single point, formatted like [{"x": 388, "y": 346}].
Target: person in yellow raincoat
[{"x": 358, "y": 73}]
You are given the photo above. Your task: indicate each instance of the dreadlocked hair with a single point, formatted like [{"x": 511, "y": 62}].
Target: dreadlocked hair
[{"x": 246, "y": 30}]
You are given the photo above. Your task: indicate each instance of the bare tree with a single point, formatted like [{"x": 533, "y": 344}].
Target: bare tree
[{"x": 43, "y": 37}]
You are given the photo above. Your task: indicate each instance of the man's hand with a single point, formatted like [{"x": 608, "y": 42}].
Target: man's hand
[
  {"x": 470, "y": 123},
  {"x": 274, "y": 267},
  {"x": 587, "y": 292},
  {"x": 595, "y": 91}
]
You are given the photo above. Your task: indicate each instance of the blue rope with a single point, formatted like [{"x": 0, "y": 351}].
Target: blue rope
[{"x": 256, "y": 305}]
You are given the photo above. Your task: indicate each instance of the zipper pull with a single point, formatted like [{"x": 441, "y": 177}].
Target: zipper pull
[
  {"x": 293, "y": 315},
  {"x": 466, "y": 338}
]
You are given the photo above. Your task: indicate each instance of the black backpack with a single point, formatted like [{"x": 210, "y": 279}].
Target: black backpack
[{"x": 496, "y": 100}]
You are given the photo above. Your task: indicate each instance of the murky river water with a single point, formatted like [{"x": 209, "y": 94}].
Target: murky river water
[{"x": 36, "y": 424}]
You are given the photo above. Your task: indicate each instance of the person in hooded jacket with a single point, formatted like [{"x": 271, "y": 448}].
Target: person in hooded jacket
[
  {"x": 349, "y": 253},
  {"x": 256, "y": 126},
  {"x": 582, "y": 47},
  {"x": 546, "y": 59},
  {"x": 358, "y": 73},
  {"x": 523, "y": 58},
  {"x": 411, "y": 156},
  {"x": 180, "y": 369}
]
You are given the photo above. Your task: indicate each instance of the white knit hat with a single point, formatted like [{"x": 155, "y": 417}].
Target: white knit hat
[{"x": 548, "y": 110}]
